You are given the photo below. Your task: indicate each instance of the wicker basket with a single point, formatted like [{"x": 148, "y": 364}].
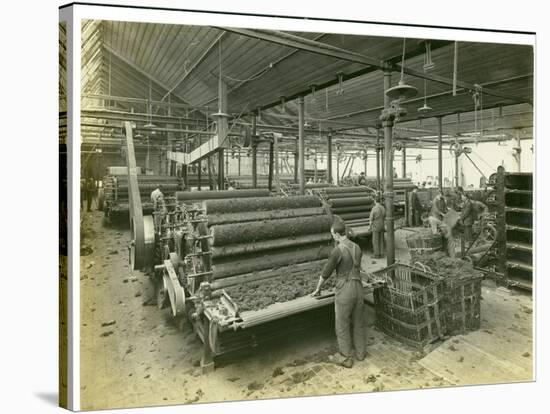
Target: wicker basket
[
  {"x": 462, "y": 304},
  {"x": 424, "y": 242},
  {"x": 409, "y": 307}
]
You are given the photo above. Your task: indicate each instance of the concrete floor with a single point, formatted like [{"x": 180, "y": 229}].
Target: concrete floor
[{"x": 132, "y": 354}]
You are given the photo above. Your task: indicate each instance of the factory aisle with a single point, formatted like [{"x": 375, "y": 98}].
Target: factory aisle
[{"x": 133, "y": 355}]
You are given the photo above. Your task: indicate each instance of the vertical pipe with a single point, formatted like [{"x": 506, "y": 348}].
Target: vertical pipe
[
  {"x": 338, "y": 168},
  {"x": 301, "y": 146},
  {"x": 239, "y": 164},
  {"x": 388, "y": 192},
  {"x": 404, "y": 163},
  {"x": 276, "y": 160},
  {"x": 221, "y": 178},
  {"x": 209, "y": 163},
  {"x": 388, "y": 170},
  {"x": 329, "y": 156},
  {"x": 518, "y": 150},
  {"x": 254, "y": 154},
  {"x": 456, "y": 171},
  {"x": 296, "y": 162},
  {"x": 270, "y": 171},
  {"x": 378, "y": 187},
  {"x": 199, "y": 174},
  {"x": 365, "y": 163},
  {"x": 440, "y": 152}
]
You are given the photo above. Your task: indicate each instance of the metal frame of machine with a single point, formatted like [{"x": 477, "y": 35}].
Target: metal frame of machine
[{"x": 197, "y": 258}]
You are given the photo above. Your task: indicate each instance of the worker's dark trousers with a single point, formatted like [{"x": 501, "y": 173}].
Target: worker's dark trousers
[
  {"x": 377, "y": 242},
  {"x": 89, "y": 198},
  {"x": 467, "y": 235},
  {"x": 416, "y": 221},
  {"x": 350, "y": 326}
]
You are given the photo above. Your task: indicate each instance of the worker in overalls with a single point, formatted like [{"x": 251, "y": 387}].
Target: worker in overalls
[
  {"x": 349, "y": 296},
  {"x": 377, "y": 227}
]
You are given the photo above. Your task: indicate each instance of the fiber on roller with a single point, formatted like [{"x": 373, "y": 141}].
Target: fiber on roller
[
  {"x": 235, "y": 205},
  {"x": 212, "y": 195},
  {"x": 259, "y": 246},
  {"x": 353, "y": 201},
  {"x": 266, "y": 230},
  {"x": 217, "y": 219}
]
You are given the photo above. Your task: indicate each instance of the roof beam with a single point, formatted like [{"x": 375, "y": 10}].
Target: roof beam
[
  {"x": 141, "y": 71},
  {"x": 312, "y": 46}
]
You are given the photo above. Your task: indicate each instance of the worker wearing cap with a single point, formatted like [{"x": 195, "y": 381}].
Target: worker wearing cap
[
  {"x": 377, "y": 217},
  {"x": 362, "y": 179},
  {"x": 349, "y": 296}
]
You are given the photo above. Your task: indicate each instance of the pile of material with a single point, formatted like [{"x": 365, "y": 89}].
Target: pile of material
[
  {"x": 446, "y": 267},
  {"x": 254, "y": 234},
  {"x": 351, "y": 204},
  {"x": 293, "y": 284},
  {"x": 423, "y": 241}
]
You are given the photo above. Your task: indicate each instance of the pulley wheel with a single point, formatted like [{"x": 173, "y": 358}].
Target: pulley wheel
[{"x": 142, "y": 242}]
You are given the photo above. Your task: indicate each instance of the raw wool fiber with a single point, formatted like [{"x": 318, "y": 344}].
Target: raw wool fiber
[
  {"x": 259, "y": 295},
  {"x": 446, "y": 267}
]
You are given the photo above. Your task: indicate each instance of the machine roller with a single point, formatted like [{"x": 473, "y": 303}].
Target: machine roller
[{"x": 240, "y": 269}]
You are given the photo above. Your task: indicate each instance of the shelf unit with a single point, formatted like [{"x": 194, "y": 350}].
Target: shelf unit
[{"x": 514, "y": 202}]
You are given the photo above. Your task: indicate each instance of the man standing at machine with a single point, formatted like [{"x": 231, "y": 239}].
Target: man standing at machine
[
  {"x": 90, "y": 192},
  {"x": 349, "y": 296},
  {"x": 159, "y": 208},
  {"x": 416, "y": 208},
  {"x": 377, "y": 217}
]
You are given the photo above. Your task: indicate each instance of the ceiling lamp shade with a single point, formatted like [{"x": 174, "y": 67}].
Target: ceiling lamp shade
[{"x": 401, "y": 91}]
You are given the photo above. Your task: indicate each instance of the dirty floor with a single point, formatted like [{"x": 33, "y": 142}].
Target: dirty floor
[{"x": 132, "y": 354}]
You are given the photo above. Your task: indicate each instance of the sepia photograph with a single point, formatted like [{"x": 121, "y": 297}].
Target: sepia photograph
[{"x": 292, "y": 208}]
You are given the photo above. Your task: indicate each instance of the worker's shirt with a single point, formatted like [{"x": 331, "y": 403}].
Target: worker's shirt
[
  {"x": 468, "y": 214},
  {"x": 439, "y": 207},
  {"x": 479, "y": 208},
  {"x": 342, "y": 260},
  {"x": 415, "y": 201},
  {"x": 377, "y": 217},
  {"x": 157, "y": 198}
]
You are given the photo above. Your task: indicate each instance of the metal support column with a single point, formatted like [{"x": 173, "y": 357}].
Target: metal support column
[
  {"x": 270, "y": 170},
  {"x": 404, "y": 162},
  {"x": 378, "y": 187},
  {"x": 388, "y": 193},
  {"x": 296, "y": 162},
  {"x": 329, "y": 156},
  {"x": 456, "y": 171},
  {"x": 209, "y": 164},
  {"x": 440, "y": 153},
  {"x": 518, "y": 149},
  {"x": 254, "y": 154},
  {"x": 221, "y": 178},
  {"x": 301, "y": 146},
  {"x": 199, "y": 174},
  {"x": 275, "y": 161}
]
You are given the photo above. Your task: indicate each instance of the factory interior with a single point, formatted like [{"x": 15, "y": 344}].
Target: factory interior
[{"x": 214, "y": 164}]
